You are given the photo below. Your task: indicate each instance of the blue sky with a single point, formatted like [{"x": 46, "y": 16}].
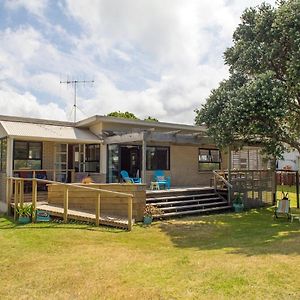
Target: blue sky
[{"x": 157, "y": 58}]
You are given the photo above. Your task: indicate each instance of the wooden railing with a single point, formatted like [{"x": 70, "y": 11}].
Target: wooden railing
[
  {"x": 217, "y": 178},
  {"x": 47, "y": 171},
  {"x": 254, "y": 185},
  {"x": 15, "y": 187}
]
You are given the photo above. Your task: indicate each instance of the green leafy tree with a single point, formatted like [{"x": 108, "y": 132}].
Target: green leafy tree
[
  {"x": 151, "y": 119},
  {"x": 260, "y": 102},
  {"x": 129, "y": 115},
  {"x": 124, "y": 115}
]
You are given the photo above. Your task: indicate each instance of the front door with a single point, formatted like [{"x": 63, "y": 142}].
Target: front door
[{"x": 130, "y": 160}]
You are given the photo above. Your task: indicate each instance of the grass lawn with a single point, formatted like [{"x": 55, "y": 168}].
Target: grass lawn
[{"x": 242, "y": 256}]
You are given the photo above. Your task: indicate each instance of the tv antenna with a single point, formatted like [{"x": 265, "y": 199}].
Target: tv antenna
[{"x": 75, "y": 83}]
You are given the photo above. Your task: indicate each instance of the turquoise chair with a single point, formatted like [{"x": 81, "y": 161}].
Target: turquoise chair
[
  {"x": 126, "y": 178},
  {"x": 161, "y": 179}
]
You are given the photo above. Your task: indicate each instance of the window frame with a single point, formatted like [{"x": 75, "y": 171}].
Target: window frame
[
  {"x": 210, "y": 161},
  {"x": 27, "y": 153},
  {"x": 87, "y": 160},
  {"x": 168, "y": 158}
]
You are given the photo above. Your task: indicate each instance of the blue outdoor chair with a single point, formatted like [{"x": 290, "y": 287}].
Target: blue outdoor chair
[
  {"x": 161, "y": 179},
  {"x": 126, "y": 178}
]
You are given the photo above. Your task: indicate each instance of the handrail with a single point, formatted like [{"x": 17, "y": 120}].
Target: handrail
[
  {"x": 71, "y": 184},
  {"x": 227, "y": 183},
  {"x": 19, "y": 196}
]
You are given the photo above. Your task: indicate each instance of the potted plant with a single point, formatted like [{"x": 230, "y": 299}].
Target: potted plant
[
  {"x": 237, "y": 203},
  {"x": 25, "y": 213},
  {"x": 149, "y": 212}
]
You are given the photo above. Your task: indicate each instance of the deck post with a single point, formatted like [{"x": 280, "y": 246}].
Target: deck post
[
  {"x": 16, "y": 198},
  {"x": 8, "y": 195},
  {"x": 129, "y": 213},
  {"x": 66, "y": 203},
  {"x": 297, "y": 188},
  {"x": 21, "y": 192},
  {"x": 34, "y": 199},
  {"x": 144, "y": 148},
  {"x": 98, "y": 209}
]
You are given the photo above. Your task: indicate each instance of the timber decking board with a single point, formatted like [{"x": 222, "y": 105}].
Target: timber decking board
[
  {"x": 187, "y": 201},
  {"x": 82, "y": 215},
  {"x": 190, "y": 212},
  {"x": 191, "y": 206}
]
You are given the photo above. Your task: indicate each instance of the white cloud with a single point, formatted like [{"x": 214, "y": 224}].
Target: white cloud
[
  {"x": 36, "y": 7},
  {"x": 158, "y": 58}
]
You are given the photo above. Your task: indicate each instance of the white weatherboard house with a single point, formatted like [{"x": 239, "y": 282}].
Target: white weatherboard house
[{"x": 102, "y": 146}]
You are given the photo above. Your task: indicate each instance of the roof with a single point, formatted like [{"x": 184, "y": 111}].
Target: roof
[
  {"x": 39, "y": 131},
  {"x": 162, "y": 125}
]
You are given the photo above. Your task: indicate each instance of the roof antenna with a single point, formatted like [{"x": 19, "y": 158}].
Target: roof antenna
[{"x": 75, "y": 83}]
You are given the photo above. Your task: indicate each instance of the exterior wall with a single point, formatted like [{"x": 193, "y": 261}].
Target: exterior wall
[
  {"x": 48, "y": 155},
  {"x": 110, "y": 204}
]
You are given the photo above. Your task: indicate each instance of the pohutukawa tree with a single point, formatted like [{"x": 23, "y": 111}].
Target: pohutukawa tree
[{"x": 260, "y": 102}]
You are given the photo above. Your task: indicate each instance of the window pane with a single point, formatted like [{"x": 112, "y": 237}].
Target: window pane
[
  {"x": 215, "y": 155},
  {"x": 27, "y": 164},
  {"x": 204, "y": 155},
  {"x": 91, "y": 166},
  {"x": 35, "y": 150},
  {"x": 4, "y": 154},
  {"x": 20, "y": 150},
  {"x": 157, "y": 158},
  {"x": 208, "y": 166}
]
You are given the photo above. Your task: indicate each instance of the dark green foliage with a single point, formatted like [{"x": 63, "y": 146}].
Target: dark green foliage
[
  {"x": 260, "y": 102},
  {"x": 129, "y": 115}
]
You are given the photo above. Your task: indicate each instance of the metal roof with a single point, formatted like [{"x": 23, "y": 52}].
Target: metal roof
[{"x": 46, "y": 132}]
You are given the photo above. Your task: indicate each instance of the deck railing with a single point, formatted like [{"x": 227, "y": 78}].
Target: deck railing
[
  {"x": 254, "y": 185},
  {"x": 48, "y": 172},
  {"x": 15, "y": 187}
]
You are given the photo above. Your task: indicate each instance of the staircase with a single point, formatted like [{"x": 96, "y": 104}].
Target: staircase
[{"x": 179, "y": 202}]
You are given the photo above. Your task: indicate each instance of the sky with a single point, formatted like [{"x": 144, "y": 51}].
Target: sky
[{"x": 150, "y": 57}]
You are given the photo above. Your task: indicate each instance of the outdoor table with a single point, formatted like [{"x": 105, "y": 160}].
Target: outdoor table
[{"x": 295, "y": 216}]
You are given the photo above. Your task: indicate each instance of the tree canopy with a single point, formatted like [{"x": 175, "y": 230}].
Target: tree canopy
[
  {"x": 260, "y": 101},
  {"x": 129, "y": 115}
]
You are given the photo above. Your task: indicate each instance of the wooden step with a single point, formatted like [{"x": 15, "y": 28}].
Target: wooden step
[
  {"x": 170, "y": 203},
  {"x": 192, "y": 206},
  {"x": 167, "y": 198},
  {"x": 190, "y": 212}
]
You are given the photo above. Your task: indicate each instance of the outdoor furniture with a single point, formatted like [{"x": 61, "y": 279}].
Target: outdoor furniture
[
  {"x": 283, "y": 208},
  {"x": 126, "y": 178},
  {"x": 154, "y": 185},
  {"x": 295, "y": 216},
  {"x": 161, "y": 179}
]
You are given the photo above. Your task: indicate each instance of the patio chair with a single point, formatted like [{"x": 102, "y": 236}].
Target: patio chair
[
  {"x": 283, "y": 208},
  {"x": 126, "y": 178},
  {"x": 161, "y": 179}
]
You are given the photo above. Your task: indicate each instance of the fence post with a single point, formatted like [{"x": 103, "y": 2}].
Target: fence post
[
  {"x": 129, "y": 213},
  {"x": 16, "y": 198},
  {"x": 98, "y": 209},
  {"x": 66, "y": 203},
  {"x": 34, "y": 199},
  {"x": 21, "y": 192},
  {"x": 297, "y": 188}
]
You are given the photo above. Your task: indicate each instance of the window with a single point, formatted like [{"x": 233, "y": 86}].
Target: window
[
  {"x": 92, "y": 158},
  {"x": 209, "y": 159},
  {"x": 27, "y": 155},
  {"x": 3, "y": 151},
  {"x": 158, "y": 158}
]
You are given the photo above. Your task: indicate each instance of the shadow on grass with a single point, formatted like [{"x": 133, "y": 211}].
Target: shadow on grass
[
  {"x": 7, "y": 223},
  {"x": 250, "y": 233}
]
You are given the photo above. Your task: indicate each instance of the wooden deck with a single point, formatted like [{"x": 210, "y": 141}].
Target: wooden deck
[{"x": 85, "y": 216}]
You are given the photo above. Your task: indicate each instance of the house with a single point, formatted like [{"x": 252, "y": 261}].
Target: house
[{"x": 102, "y": 146}]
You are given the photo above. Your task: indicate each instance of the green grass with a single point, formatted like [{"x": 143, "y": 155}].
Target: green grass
[{"x": 241, "y": 256}]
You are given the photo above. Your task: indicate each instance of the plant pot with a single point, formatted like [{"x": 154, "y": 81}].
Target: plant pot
[
  {"x": 24, "y": 220},
  {"x": 238, "y": 207},
  {"x": 147, "y": 220}
]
